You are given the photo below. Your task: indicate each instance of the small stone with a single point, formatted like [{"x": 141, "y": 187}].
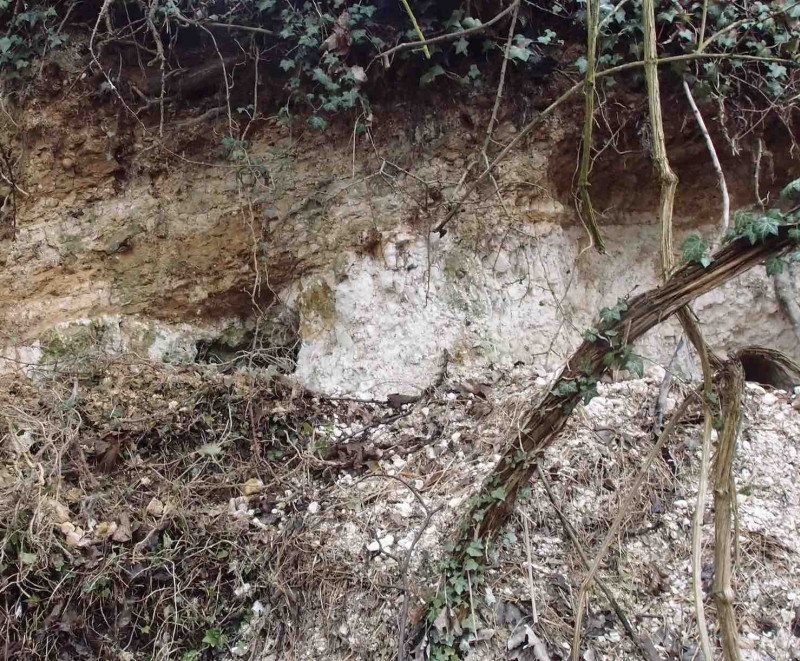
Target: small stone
[
  {"x": 405, "y": 510},
  {"x": 243, "y": 589},
  {"x": 769, "y": 399},
  {"x": 155, "y": 507},
  {"x": 374, "y": 546},
  {"x": 456, "y": 437},
  {"x": 252, "y": 486},
  {"x": 406, "y": 542},
  {"x": 387, "y": 542},
  {"x": 313, "y": 507}
]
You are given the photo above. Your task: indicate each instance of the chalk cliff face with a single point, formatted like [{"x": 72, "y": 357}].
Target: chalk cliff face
[{"x": 323, "y": 239}]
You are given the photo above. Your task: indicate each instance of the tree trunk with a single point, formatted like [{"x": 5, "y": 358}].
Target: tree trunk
[{"x": 731, "y": 391}]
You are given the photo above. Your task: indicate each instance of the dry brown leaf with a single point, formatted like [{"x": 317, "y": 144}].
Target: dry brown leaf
[{"x": 123, "y": 531}]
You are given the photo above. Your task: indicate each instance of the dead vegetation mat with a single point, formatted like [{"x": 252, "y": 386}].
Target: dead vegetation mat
[
  {"x": 117, "y": 486},
  {"x": 200, "y": 512}
]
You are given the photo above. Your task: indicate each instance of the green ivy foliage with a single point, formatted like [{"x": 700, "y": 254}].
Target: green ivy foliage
[
  {"x": 326, "y": 54},
  {"x": 761, "y": 29},
  {"x": 28, "y": 36}
]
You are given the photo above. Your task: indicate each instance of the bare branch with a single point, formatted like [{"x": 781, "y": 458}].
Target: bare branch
[{"x": 446, "y": 37}]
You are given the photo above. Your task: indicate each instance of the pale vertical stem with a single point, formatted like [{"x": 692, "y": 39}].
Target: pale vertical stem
[
  {"x": 499, "y": 96},
  {"x": 726, "y": 200},
  {"x": 669, "y": 180},
  {"x": 587, "y": 209},
  {"x": 669, "y": 183}
]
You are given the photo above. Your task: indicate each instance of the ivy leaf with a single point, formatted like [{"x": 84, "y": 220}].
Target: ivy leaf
[
  {"x": 460, "y": 584},
  {"x": 668, "y": 15},
  {"x": 471, "y": 565},
  {"x": 317, "y": 122},
  {"x": 214, "y": 637},
  {"x": 499, "y": 494},
  {"x": 581, "y": 64},
  {"x": 794, "y": 234},
  {"x": 791, "y": 191},
  {"x": 211, "y": 450},
  {"x": 320, "y": 76},
  {"x": 695, "y": 251},
  {"x": 461, "y": 46},
  {"x": 591, "y": 334},
  {"x": 469, "y": 22},
  {"x": 764, "y": 226},
  {"x": 776, "y": 70},
  {"x": 287, "y": 64},
  {"x": 635, "y": 365},
  {"x": 566, "y": 388},
  {"x": 431, "y": 74},
  {"x": 474, "y": 72},
  {"x": 547, "y": 38},
  {"x": 517, "y": 53},
  {"x": 28, "y": 558},
  {"x": 475, "y": 548},
  {"x": 774, "y": 265},
  {"x": 5, "y": 44}
]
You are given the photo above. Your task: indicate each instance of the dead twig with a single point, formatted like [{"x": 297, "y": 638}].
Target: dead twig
[
  {"x": 429, "y": 514},
  {"x": 624, "y": 509},
  {"x": 573, "y": 537}
]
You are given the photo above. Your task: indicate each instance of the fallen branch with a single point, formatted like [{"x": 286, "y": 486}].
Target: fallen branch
[
  {"x": 491, "y": 507},
  {"x": 541, "y": 425}
]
